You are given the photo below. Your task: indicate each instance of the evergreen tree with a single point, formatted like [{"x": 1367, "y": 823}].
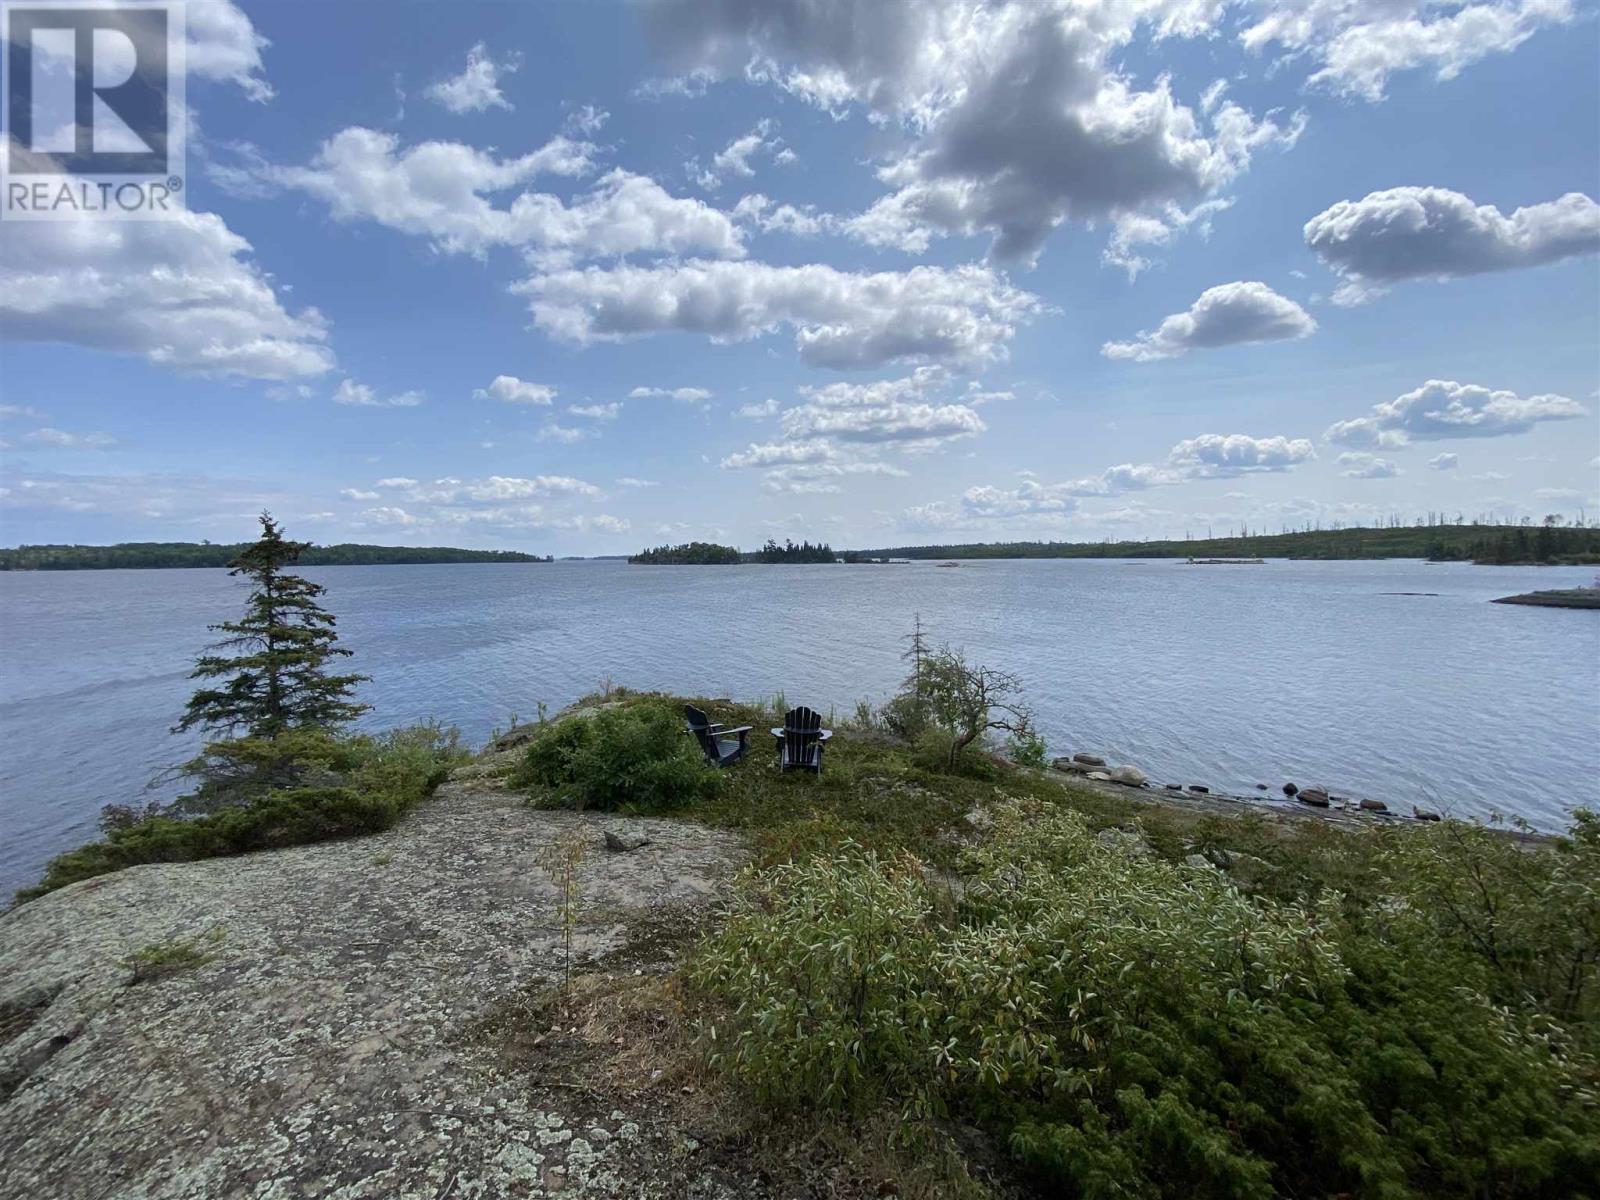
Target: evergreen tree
[{"x": 274, "y": 659}]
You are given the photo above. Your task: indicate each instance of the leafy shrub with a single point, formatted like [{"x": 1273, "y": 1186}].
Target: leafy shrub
[
  {"x": 380, "y": 780},
  {"x": 637, "y": 758},
  {"x": 1027, "y": 748},
  {"x": 1137, "y": 1027}
]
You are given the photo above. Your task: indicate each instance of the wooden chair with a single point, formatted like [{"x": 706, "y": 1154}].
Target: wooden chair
[
  {"x": 720, "y": 744},
  {"x": 800, "y": 746}
]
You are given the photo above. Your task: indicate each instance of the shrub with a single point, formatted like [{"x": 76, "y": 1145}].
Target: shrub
[
  {"x": 383, "y": 777},
  {"x": 1137, "y": 1027},
  {"x": 636, "y": 758}
]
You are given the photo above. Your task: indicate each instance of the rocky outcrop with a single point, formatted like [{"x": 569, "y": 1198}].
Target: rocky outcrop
[{"x": 310, "y": 1033}]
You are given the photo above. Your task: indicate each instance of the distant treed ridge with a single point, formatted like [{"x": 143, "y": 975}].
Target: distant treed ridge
[
  {"x": 128, "y": 555},
  {"x": 1489, "y": 544}
]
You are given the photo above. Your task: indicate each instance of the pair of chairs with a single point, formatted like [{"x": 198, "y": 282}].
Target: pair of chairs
[{"x": 800, "y": 741}]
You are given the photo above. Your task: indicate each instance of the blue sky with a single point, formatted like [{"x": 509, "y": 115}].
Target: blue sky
[{"x": 576, "y": 278}]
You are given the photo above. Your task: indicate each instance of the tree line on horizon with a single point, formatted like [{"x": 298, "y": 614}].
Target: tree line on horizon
[
  {"x": 146, "y": 555},
  {"x": 1498, "y": 544}
]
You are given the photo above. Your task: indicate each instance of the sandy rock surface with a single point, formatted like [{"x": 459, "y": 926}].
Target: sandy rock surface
[{"x": 323, "y": 1047}]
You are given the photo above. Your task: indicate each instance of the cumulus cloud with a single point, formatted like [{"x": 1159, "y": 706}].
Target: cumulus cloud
[
  {"x": 1228, "y": 315},
  {"x": 1432, "y": 233},
  {"x": 478, "y": 86},
  {"x": 893, "y": 422},
  {"x": 1018, "y": 117},
  {"x": 359, "y": 395},
  {"x": 565, "y": 434},
  {"x": 841, "y": 319},
  {"x": 181, "y": 293},
  {"x": 508, "y": 389},
  {"x": 223, "y": 45},
  {"x": 1444, "y": 462},
  {"x": 1442, "y": 408},
  {"x": 1359, "y": 44},
  {"x": 1358, "y": 464},
  {"x": 630, "y": 481},
  {"x": 596, "y": 412},
  {"x": 1213, "y": 454},
  {"x": 755, "y": 412},
  {"x": 779, "y": 454},
  {"x": 442, "y": 191}
]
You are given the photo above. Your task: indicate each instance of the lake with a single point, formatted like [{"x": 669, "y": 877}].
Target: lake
[{"x": 1317, "y": 672}]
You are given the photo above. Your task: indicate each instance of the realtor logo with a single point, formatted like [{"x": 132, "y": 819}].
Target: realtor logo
[{"x": 94, "y": 109}]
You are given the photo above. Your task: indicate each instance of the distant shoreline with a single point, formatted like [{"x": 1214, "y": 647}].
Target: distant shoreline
[{"x": 205, "y": 555}]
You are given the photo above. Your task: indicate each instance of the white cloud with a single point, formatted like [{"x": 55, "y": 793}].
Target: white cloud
[
  {"x": 841, "y": 319},
  {"x": 1230, "y": 314},
  {"x": 508, "y": 389},
  {"x": 478, "y": 86},
  {"x": 1432, "y": 233},
  {"x": 351, "y": 493},
  {"x": 1018, "y": 115},
  {"x": 1444, "y": 462},
  {"x": 586, "y": 120},
  {"x": 359, "y": 395},
  {"x": 733, "y": 160},
  {"x": 180, "y": 293},
  {"x": 61, "y": 439},
  {"x": 1358, "y": 464},
  {"x": 780, "y": 454},
  {"x": 688, "y": 395},
  {"x": 629, "y": 481},
  {"x": 222, "y": 45},
  {"x": 887, "y": 423},
  {"x": 596, "y": 412},
  {"x": 755, "y": 412},
  {"x": 1358, "y": 44},
  {"x": 1213, "y": 454},
  {"x": 396, "y": 481},
  {"x": 1442, "y": 408},
  {"x": 20, "y": 410},
  {"x": 440, "y": 191},
  {"x": 565, "y": 434}
]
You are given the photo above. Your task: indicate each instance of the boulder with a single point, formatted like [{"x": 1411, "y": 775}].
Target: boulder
[
  {"x": 1374, "y": 806},
  {"x": 1290, "y": 790},
  {"x": 621, "y": 840},
  {"x": 1199, "y": 789},
  {"x": 1131, "y": 776},
  {"x": 1200, "y": 861},
  {"x": 517, "y": 735},
  {"x": 1424, "y": 814},
  {"x": 1098, "y": 776},
  {"x": 1089, "y": 760},
  {"x": 1068, "y": 765},
  {"x": 1314, "y": 796},
  {"x": 1261, "y": 787},
  {"x": 1173, "y": 787}
]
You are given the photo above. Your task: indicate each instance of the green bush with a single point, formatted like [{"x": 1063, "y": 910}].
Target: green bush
[
  {"x": 638, "y": 758},
  {"x": 1137, "y": 1027},
  {"x": 380, "y": 779}
]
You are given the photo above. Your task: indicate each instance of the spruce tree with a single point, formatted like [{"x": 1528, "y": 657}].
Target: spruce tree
[{"x": 275, "y": 658}]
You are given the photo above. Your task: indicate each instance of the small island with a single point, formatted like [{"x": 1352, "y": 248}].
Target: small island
[
  {"x": 698, "y": 554},
  {"x": 165, "y": 555},
  {"x": 1582, "y": 597},
  {"x": 702, "y": 554}
]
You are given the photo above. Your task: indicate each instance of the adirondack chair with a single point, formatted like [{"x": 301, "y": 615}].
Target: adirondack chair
[
  {"x": 800, "y": 741},
  {"x": 720, "y": 744}
]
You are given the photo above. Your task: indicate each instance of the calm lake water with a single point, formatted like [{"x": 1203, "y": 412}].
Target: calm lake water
[{"x": 1227, "y": 676}]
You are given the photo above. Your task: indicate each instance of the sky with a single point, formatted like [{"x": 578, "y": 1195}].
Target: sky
[{"x": 580, "y": 278}]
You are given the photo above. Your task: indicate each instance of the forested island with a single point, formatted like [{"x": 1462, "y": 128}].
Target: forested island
[
  {"x": 702, "y": 554},
  {"x": 711, "y": 554},
  {"x": 126, "y": 555},
  {"x": 1490, "y": 544}
]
